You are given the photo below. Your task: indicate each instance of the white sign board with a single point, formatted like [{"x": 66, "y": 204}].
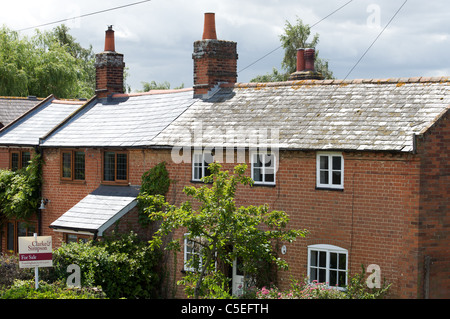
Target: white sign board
[{"x": 35, "y": 252}]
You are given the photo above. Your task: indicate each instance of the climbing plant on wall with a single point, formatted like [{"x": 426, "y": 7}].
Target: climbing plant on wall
[{"x": 20, "y": 190}]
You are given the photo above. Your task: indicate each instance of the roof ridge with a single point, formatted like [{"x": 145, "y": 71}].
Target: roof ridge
[
  {"x": 152, "y": 92},
  {"x": 403, "y": 80}
]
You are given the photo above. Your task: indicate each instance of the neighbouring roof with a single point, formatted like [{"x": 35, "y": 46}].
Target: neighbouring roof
[
  {"x": 99, "y": 210},
  {"x": 125, "y": 120},
  {"x": 314, "y": 115},
  {"x": 27, "y": 129},
  {"x": 13, "y": 107}
]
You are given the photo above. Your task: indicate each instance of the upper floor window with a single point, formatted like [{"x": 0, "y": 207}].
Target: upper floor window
[
  {"x": 115, "y": 166},
  {"x": 72, "y": 165},
  {"x": 200, "y": 163},
  {"x": 263, "y": 168},
  {"x": 328, "y": 264},
  {"x": 330, "y": 170},
  {"x": 19, "y": 160}
]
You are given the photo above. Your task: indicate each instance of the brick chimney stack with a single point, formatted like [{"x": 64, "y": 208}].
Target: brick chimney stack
[
  {"x": 215, "y": 61},
  {"x": 109, "y": 67},
  {"x": 305, "y": 66}
]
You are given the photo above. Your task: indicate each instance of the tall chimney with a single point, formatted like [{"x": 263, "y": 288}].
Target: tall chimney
[
  {"x": 215, "y": 61},
  {"x": 305, "y": 66},
  {"x": 109, "y": 68}
]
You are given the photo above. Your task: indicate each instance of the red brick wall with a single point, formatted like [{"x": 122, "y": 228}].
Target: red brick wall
[
  {"x": 434, "y": 221},
  {"x": 371, "y": 218}
]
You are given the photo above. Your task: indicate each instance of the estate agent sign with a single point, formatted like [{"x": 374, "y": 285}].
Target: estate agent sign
[{"x": 35, "y": 252}]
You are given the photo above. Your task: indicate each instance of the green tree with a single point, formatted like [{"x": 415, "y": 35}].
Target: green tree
[
  {"x": 222, "y": 231},
  {"x": 295, "y": 37},
  {"x": 153, "y": 85},
  {"x": 49, "y": 62}
]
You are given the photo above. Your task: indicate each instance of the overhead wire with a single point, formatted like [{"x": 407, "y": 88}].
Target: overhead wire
[
  {"x": 279, "y": 47},
  {"x": 84, "y": 15}
]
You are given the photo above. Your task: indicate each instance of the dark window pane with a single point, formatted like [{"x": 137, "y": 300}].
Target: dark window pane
[
  {"x": 336, "y": 178},
  {"x": 79, "y": 166},
  {"x": 109, "y": 166},
  {"x": 322, "y": 259},
  {"x": 31, "y": 229},
  {"x": 122, "y": 167},
  {"x": 270, "y": 177},
  {"x": 10, "y": 240},
  {"x": 313, "y": 274},
  {"x": 21, "y": 229},
  {"x": 341, "y": 279},
  {"x": 14, "y": 161},
  {"x": 66, "y": 165},
  {"x": 26, "y": 157},
  {"x": 333, "y": 278},
  {"x": 333, "y": 260},
  {"x": 324, "y": 162},
  {"x": 324, "y": 177},
  {"x": 337, "y": 163},
  {"x": 313, "y": 260},
  {"x": 322, "y": 275},
  {"x": 257, "y": 174},
  {"x": 342, "y": 261}
]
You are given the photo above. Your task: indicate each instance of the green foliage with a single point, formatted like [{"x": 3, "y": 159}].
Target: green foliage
[
  {"x": 50, "y": 62},
  {"x": 25, "y": 289},
  {"x": 148, "y": 86},
  {"x": 9, "y": 271},
  {"x": 20, "y": 190},
  {"x": 123, "y": 265},
  {"x": 218, "y": 224},
  {"x": 295, "y": 36},
  {"x": 155, "y": 181}
]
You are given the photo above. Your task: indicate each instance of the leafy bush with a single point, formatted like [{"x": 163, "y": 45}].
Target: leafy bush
[
  {"x": 122, "y": 265},
  {"x": 25, "y": 289},
  {"x": 9, "y": 271}
]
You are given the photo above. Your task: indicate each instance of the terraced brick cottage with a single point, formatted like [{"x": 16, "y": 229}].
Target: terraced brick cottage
[{"x": 362, "y": 164}]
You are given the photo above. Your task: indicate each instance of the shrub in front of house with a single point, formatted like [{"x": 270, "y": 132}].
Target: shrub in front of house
[
  {"x": 25, "y": 289},
  {"x": 123, "y": 266}
]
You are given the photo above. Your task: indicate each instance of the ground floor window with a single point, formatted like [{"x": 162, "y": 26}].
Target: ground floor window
[
  {"x": 16, "y": 229},
  {"x": 77, "y": 238},
  {"x": 328, "y": 264},
  {"x": 192, "y": 254}
]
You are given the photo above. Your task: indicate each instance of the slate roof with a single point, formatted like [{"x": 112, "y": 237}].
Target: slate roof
[
  {"x": 126, "y": 120},
  {"x": 13, "y": 107},
  {"x": 99, "y": 210},
  {"x": 314, "y": 115},
  {"x": 37, "y": 122}
]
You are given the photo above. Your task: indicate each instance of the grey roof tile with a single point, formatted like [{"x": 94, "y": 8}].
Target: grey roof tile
[
  {"x": 27, "y": 129},
  {"x": 123, "y": 121},
  {"x": 98, "y": 210},
  {"x": 317, "y": 115}
]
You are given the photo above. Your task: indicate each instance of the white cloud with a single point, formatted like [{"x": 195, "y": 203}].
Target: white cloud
[{"x": 156, "y": 37}]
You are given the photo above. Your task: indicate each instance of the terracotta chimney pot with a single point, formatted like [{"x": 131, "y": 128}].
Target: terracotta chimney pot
[
  {"x": 300, "y": 60},
  {"x": 109, "y": 40},
  {"x": 310, "y": 56},
  {"x": 209, "y": 29}
]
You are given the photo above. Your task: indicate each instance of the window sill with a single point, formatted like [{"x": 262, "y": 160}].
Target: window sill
[
  {"x": 67, "y": 181},
  {"x": 264, "y": 185},
  {"x": 324, "y": 188}
]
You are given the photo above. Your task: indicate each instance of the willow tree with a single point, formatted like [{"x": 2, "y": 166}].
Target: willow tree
[
  {"x": 222, "y": 231},
  {"x": 49, "y": 62}
]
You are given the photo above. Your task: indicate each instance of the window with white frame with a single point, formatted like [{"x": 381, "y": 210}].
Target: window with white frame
[
  {"x": 330, "y": 170},
  {"x": 328, "y": 264},
  {"x": 263, "y": 168},
  {"x": 200, "y": 162},
  {"x": 192, "y": 254}
]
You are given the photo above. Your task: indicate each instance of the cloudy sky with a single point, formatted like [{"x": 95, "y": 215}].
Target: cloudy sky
[{"x": 156, "y": 37}]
